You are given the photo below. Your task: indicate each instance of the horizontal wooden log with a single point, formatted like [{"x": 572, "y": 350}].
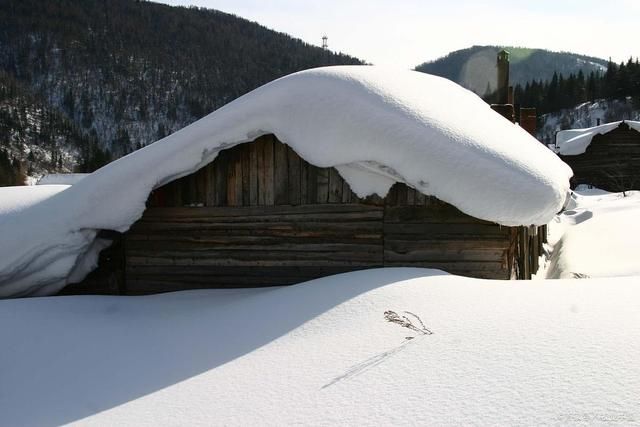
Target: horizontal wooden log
[
  {"x": 303, "y": 245},
  {"x": 431, "y": 229},
  {"x": 400, "y": 245},
  {"x": 274, "y": 229},
  {"x": 213, "y": 211},
  {"x": 212, "y": 270},
  {"x": 228, "y": 256},
  {"x": 305, "y": 217},
  {"x": 451, "y": 266},
  {"x": 249, "y": 239},
  {"x": 168, "y": 261},
  {"x": 429, "y": 214},
  {"x": 496, "y": 255}
]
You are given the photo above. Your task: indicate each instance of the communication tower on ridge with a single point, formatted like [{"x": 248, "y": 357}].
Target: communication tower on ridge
[{"x": 324, "y": 42}]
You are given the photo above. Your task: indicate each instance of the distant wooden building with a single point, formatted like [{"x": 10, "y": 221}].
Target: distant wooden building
[
  {"x": 260, "y": 215},
  {"x": 611, "y": 160}
]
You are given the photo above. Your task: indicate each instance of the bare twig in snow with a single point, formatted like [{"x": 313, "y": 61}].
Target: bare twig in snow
[{"x": 406, "y": 322}]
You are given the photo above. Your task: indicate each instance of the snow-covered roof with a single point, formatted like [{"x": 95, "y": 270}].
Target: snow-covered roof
[
  {"x": 572, "y": 142},
  {"x": 375, "y": 125},
  {"x": 61, "y": 178}
]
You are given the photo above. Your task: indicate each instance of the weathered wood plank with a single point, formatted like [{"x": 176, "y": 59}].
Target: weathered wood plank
[
  {"x": 451, "y": 267},
  {"x": 234, "y": 179},
  {"x": 288, "y": 229},
  {"x": 239, "y": 180},
  {"x": 231, "y": 271},
  {"x": 304, "y": 184},
  {"x": 246, "y": 174},
  {"x": 399, "y": 245},
  {"x": 294, "y": 178},
  {"x": 429, "y": 255},
  {"x": 322, "y": 179},
  {"x": 268, "y": 153},
  {"x": 152, "y": 214},
  {"x": 221, "y": 178},
  {"x": 253, "y": 175},
  {"x": 283, "y": 246},
  {"x": 312, "y": 184},
  {"x": 281, "y": 175},
  {"x": 346, "y": 192},
  {"x": 440, "y": 213},
  {"x": 210, "y": 185},
  {"x": 335, "y": 186},
  {"x": 428, "y": 230},
  {"x": 298, "y": 262}
]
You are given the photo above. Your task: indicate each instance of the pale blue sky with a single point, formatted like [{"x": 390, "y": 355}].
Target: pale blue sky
[{"x": 408, "y": 32}]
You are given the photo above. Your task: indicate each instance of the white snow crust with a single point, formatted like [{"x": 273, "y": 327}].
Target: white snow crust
[
  {"x": 572, "y": 142},
  {"x": 376, "y": 125},
  {"x": 501, "y": 353}
]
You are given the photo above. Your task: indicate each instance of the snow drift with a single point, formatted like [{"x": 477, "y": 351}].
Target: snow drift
[
  {"x": 324, "y": 352},
  {"x": 597, "y": 236},
  {"x": 376, "y": 125},
  {"x": 572, "y": 142},
  {"x": 61, "y": 178}
]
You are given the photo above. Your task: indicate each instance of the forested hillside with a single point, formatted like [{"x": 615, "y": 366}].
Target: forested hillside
[
  {"x": 561, "y": 91},
  {"x": 35, "y": 137},
  {"x": 125, "y": 73}
]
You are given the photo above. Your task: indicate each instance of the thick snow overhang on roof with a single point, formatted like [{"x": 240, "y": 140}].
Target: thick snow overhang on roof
[
  {"x": 573, "y": 142},
  {"x": 375, "y": 125}
]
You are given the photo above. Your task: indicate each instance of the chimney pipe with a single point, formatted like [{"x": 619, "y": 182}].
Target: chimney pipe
[{"x": 503, "y": 77}]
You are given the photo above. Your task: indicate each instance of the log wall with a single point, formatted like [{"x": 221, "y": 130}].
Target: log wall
[
  {"x": 611, "y": 162},
  {"x": 259, "y": 215},
  {"x": 248, "y": 246}
]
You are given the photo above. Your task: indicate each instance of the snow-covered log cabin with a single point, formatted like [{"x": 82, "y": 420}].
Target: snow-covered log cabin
[
  {"x": 605, "y": 156},
  {"x": 323, "y": 171}
]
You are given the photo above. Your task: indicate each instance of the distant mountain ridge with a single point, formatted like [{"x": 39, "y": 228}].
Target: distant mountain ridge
[{"x": 475, "y": 67}]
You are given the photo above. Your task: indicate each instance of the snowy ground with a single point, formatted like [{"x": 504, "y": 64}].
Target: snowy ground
[
  {"x": 596, "y": 236},
  {"x": 325, "y": 352}
]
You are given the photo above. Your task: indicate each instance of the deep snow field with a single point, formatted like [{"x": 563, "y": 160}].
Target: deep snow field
[{"x": 379, "y": 347}]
